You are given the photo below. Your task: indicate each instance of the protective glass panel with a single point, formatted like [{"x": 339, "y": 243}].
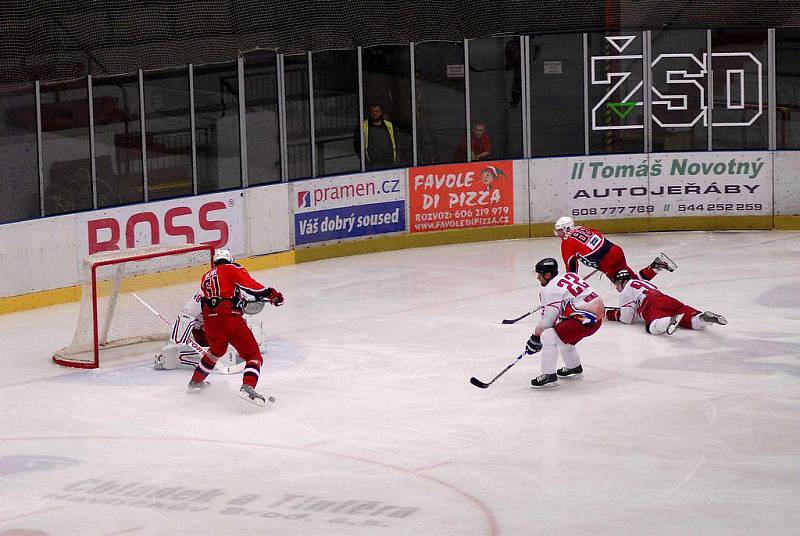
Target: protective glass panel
[
  {"x": 495, "y": 92},
  {"x": 298, "y": 116},
  {"x": 739, "y": 63},
  {"x": 441, "y": 106},
  {"x": 65, "y": 147},
  {"x": 117, "y": 140},
  {"x": 261, "y": 118},
  {"x": 616, "y": 93},
  {"x": 336, "y": 111},
  {"x": 787, "y": 93},
  {"x": 386, "y": 75},
  {"x": 679, "y": 93},
  {"x": 168, "y": 133},
  {"x": 557, "y": 110},
  {"x": 216, "y": 127},
  {"x": 19, "y": 180}
]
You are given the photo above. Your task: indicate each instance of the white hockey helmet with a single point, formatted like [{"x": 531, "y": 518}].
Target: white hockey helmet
[
  {"x": 565, "y": 224},
  {"x": 222, "y": 255}
]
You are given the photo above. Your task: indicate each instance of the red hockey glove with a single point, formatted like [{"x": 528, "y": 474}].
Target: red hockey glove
[
  {"x": 274, "y": 297},
  {"x": 612, "y": 313}
]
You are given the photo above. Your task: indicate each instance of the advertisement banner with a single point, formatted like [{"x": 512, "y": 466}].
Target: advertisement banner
[
  {"x": 349, "y": 222},
  {"x": 349, "y": 206},
  {"x": 657, "y": 185},
  {"x": 460, "y": 196},
  {"x": 215, "y": 219}
]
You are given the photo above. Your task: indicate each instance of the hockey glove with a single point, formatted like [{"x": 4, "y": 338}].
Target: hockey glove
[
  {"x": 534, "y": 345},
  {"x": 612, "y": 313},
  {"x": 274, "y": 297}
]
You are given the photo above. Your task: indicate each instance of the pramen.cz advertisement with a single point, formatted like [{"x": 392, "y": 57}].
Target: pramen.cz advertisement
[{"x": 349, "y": 206}]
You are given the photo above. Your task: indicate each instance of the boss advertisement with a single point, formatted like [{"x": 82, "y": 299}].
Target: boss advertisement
[
  {"x": 349, "y": 206},
  {"x": 657, "y": 185}
]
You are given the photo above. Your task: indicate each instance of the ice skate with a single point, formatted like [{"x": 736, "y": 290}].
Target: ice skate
[
  {"x": 158, "y": 362},
  {"x": 544, "y": 381},
  {"x": 662, "y": 262},
  {"x": 195, "y": 387},
  {"x": 713, "y": 318},
  {"x": 566, "y": 371},
  {"x": 250, "y": 394},
  {"x": 673, "y": 323}
]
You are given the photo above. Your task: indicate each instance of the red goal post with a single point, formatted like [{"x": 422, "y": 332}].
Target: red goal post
[{"x": 166, "y": 276}]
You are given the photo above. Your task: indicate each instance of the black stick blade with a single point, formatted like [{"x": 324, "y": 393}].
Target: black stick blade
[
  {"x": 512, "y": 321},
  {"x": 477, "y": 383}
]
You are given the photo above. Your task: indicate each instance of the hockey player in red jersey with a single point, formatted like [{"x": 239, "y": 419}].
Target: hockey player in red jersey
[
  {"x": 222, "y": 303},
  {"x": 641, "y": 300},
  {"x": 571, "y": 311},
  {"x": 590, "y": 247}
]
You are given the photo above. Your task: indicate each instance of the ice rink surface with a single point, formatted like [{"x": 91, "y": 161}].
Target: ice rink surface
[{"x": 377, "y": 430}]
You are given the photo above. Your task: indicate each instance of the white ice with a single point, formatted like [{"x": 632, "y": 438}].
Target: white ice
[{"x": 377, "y": 430}]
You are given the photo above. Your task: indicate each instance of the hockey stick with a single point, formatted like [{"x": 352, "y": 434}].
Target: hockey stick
[
  {"x": 231, "y": 369},
  {"x": 515, "y": 320},
  {"x": 477, "y": 383}
]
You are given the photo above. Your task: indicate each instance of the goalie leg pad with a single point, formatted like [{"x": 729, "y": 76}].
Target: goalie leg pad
[{"x": 174, "y": 356}]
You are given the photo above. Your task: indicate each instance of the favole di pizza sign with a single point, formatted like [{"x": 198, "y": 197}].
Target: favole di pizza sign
[{"x": 461, "y": 196}]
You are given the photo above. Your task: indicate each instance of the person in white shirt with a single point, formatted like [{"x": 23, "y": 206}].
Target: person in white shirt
[
  {"x": 642, "y": 301},
  {"x": 571, "y": 311}
]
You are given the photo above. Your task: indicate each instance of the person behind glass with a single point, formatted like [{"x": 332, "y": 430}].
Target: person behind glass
[
  {"x": 380, "y": 146},
  {"x": 480, "y": 142}
]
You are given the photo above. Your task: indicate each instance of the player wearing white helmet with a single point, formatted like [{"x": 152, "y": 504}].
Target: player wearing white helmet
[
  {"x": 223, "y": 288},
  {"x": 581, "y": 244}
]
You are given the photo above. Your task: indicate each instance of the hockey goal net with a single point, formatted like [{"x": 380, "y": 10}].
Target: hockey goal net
[{"x": 164, "y": 276}]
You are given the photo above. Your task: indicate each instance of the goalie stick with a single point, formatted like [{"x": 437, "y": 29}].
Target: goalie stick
[
  {"x": 235, "y": 368},
  {"x": 477, "y": 383}
]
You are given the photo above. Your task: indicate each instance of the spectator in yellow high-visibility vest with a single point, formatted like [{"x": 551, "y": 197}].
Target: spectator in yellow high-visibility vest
[{"x": 380, "y": 146}]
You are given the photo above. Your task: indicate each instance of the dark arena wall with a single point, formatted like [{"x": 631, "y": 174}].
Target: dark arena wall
[{"x": 47, "y": 41}]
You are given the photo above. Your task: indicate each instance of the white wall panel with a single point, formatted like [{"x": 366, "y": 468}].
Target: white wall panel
[
  {"x": 787, "y": 183},
  {"x": 38, "y": 255},
  {"x": 268, "y": 219}
]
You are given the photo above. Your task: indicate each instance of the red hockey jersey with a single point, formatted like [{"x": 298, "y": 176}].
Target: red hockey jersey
[
  {"x": 222, "y": 288},
  {"x": 584, "y": 242}
]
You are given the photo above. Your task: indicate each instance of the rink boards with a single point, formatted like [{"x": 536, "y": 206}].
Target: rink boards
[{"x": 271, "y": 225}]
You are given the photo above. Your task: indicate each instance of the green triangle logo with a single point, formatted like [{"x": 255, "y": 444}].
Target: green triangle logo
[{"x": 622, "y": 109}]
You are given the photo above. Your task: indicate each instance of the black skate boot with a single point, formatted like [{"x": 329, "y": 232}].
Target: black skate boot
[
  {"x": 566, "y": 371},
  {"x": 713, "y": 318},
  {"x": 545, "y": 380}
]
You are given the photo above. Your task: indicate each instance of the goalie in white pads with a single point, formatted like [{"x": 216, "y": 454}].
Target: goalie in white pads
[
  {"x": 571, "y": 311},
  {"x": 178, "y": 353},
  {"x": 642, "y": 301}
]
